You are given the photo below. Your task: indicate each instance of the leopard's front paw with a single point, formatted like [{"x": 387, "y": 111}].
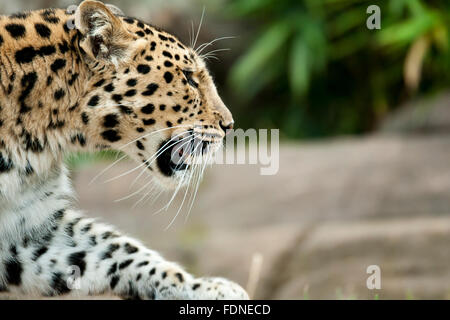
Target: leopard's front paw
[{"x": 217, "y": 289}]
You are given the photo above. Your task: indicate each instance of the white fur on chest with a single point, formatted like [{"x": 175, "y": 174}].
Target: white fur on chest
[{"x": 27, "y": 205}]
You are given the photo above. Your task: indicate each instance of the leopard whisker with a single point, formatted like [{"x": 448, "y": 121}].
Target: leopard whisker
[
  {"x": 145, "y": 162},
  {"x": 107, "y": 168},
  {"x": 214, "y": 51},
  {"x": 180, "y": 184},
  {"x": 185, "y": 194},
  {"x": 134, "y": 193},
  {"x": 211, "y": 57},
  {"x": 202, "y": 47},
  {"x": 152, "y": 133},
  {"x": 200, "y": 176},
  {"x": 199, "y": 27},
  {"x": 154, "y": 157},
  {"x": 144, "y": 196},
  {"x": 143, "y": 170}
]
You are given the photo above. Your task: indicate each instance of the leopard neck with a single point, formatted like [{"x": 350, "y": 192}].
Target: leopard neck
[{"x": 43, "y": 83}]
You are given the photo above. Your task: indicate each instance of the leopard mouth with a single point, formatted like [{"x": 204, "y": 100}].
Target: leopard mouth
[
  {"x": 178, "y": 156},
  {"x": 165, "y": 162}
]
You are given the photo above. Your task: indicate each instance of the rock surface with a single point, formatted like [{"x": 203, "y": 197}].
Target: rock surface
[{"x": 333, "y": 209}]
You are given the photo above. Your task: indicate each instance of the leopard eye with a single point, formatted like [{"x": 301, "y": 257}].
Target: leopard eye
[{"x": 188, "y": 75}]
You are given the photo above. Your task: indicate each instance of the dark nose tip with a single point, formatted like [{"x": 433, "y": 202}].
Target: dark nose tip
[{"x": 226, "y": 126}]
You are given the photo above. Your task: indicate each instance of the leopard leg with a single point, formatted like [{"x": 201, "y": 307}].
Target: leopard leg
[{"x": 75, "y": 254}]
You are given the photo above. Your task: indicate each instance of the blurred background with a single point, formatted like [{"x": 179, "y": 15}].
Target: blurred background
[{"x": 364, "y": 119}]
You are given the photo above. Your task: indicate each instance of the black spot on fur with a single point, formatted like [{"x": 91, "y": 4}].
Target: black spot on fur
[
  {"x": 92, "y": 241},
  {"x": 73, "y": 78},
  {"x": 179, "y": 276},
  {"x": 32, "y": 144},
  {"x": 58, "y": 64},
  {"x": 106, "y": 235},
  {"x": 58, "y": 215},
  {"x": 110, "y": 121},
  {"x": 94, "y": 101},
  {"x": 130, "y": 93},
  {"x": 167, "y": 54},
  {"x": 19, "y": 15},
  {"x": 63, "y": 47},
  {"x": 148, "y": 122},
  {"x": 59, "y": 94},
  {"x": 77, "y": 259},
  {"x": 148, "y": 109},
  {"x": 168, "y": 77},
  {"x": 59, "y": 284},
  {"x": 111, "y": 135},
  {"x": 143, "y": 68},
  {"x": 141, "y": 264},
  {"x": 151, "y": 89},
  {"x": 140, "y": 145},
  {"x": 13, "y": 269},
  {"x": 117, "y": 97},
  {"x": 42, "y": 30},
  {"x": 29, "y": 169},
  {"x": 168, "y": 64},
  {"x": 27, "y": 54},
  {"x": 39, "y": 252},
  {"x": 112, "y": 269},
  {"x": 16, "y": 30},
  {"x": 99, "y": 83},
  {"x": 125, "y": 264},
  {"x": 5, "y": 164},
  {"x": 109, "y": 88},
  {"x": 125, "y": 110},
  {"x": 109, "y": 251},
  {"x": 176, "y": 108},
  {"x": 46, "y": 51},
  {"x": 86, "y": 228},
  {"x": 49, "y": 16},
  {"x": 131, "y": 82},
  {"x": 28, "y": 82},
  {"x": 114, "y": 281},
  {"x": 85, "y": 118}
]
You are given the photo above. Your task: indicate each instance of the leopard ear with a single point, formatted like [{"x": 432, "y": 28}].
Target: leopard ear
[
  {"x": 115, "y": 10},
  {"x": 104, "y": 37}
]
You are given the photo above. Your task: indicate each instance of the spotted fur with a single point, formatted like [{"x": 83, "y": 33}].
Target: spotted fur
[{"x": 108, "y": 82}]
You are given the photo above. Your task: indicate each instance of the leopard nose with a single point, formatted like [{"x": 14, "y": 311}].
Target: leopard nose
[{"x": 226, "y": 126}]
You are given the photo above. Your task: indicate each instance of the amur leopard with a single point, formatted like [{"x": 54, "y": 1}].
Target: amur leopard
[{"x": 90, "y": 80}]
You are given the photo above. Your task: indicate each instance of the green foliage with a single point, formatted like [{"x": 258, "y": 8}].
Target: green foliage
[
  {"x": 79, "y": 159},
  {"x": 313, "y": 68}
]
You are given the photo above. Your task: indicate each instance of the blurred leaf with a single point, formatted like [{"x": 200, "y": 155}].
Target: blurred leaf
[
  {"x": 406, "y": 32},
  {"x": 299, "y": 70},
  {"x": 255, "y": 62},
  {"x": 320, "y": 55},
  {"x": 248, "y": 7}
]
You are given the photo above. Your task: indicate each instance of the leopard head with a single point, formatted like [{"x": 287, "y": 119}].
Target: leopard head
[{"x": 155, "y": 97}]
